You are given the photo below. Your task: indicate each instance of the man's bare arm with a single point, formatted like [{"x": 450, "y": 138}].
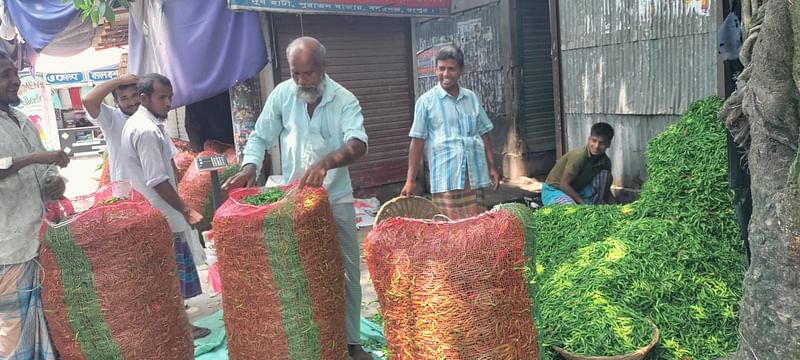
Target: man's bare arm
[
  {"x": 58, "y": 157},
  {"x": 346, "y": 155}
]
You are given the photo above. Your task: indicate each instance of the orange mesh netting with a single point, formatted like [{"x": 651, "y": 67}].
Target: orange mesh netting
[
  {"x": 222, "y": 148},
  {"x": 183, "y": 160},
  {"x": 181, "y": 145},
  {"x": 105, "y": 175},
  {"x": 282, "y": 276},
  {"x": 110, "y": 287},
  {"x": 230, "y": 155},
  {"x": 453, "y": 289},
  {"x": 216, "y": 146},
  {"x": 195, "y": 185}
]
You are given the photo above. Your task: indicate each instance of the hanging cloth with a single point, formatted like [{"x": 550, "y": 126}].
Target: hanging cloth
[
  {"x": 204, "y": 50},
  {"x": 40, "y": 21}
]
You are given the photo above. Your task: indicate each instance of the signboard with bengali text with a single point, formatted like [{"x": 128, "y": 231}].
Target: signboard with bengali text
[
  {"x": 103, "y": 75},
  {"x": 36, "y": 103},
  {"x": 64, "y": 78},
  {"x": 79, "y": 77},
  {"x": 360, "y": 7}
]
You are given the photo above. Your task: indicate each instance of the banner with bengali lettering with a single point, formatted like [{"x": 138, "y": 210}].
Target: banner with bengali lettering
[
  {"x": 36, "y": 103},
  {"x": 360, "y": 7}
]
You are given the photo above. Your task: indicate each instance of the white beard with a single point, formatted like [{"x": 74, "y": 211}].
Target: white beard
[{"x": 310, "y": 96}]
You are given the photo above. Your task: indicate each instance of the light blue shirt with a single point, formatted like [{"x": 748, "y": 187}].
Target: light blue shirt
[
  {"x": 303, "y": 140},
  {"x": 452, "y": 130}
]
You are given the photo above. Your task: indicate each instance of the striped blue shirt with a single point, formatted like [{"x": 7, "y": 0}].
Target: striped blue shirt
[{"x": 452, "y": 130}]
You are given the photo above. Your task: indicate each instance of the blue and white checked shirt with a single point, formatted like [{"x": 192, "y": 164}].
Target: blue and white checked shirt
[{"x": 452, "y": 130}]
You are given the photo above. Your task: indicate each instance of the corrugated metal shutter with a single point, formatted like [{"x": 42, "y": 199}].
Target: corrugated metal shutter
[
  {"x": 536, "y": 102},
  {"x": 370, "y": 56}
]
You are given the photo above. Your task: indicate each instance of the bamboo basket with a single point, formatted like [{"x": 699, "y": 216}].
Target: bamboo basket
[
  {"x": 414, "y": 207},
  {"x": 634, "y": 355}
]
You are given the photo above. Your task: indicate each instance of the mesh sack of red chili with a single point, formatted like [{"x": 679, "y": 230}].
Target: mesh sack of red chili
[
  {"x": 230, "y": 155},
  {"x": 183, "y": 161},
  {"x": 282, "y": 275},
  {"x": 215, "y": 146},
  {"x": 222, "y": 148},
  {"x": 110, "y": 288},
  {"x": 454, "y": 289},
  {"x": 195, "y": 185},
  {"x": 208, "y": 205},
  {"x": 195, "y": 189},
  {"x": 182, "y": 145}
]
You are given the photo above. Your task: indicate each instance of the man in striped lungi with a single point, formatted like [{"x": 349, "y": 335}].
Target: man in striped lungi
[{"x": 451, "y": 124}]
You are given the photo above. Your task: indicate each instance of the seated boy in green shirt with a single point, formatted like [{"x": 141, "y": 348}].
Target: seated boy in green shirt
[{"x": 583, "y": 175}]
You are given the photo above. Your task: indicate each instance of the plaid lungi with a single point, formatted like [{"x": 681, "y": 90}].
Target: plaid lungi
[
  {"x": 23, "y": 331},
  {"x": 460, "y": 204},
  {"x": 187, "y": 271}
]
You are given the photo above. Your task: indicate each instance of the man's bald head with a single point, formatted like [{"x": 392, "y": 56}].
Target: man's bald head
[
  {"x": 306, "y": 47},
  {"x": 306, "y": 57}
]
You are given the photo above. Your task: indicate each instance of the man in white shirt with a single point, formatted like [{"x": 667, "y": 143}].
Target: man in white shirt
[
  {"x": 28, "y": 179},
  {"x": 111, "y": 120},
  {"x": 146, "y": 161}
]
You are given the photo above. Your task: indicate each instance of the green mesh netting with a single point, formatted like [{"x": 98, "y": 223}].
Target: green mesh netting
[
  {"x": 289, "y": 276},
  {"x": 80, "y": 297}
]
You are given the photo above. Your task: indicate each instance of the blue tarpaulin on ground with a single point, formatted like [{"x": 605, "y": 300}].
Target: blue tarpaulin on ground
[{"x": 214, "y": 346}]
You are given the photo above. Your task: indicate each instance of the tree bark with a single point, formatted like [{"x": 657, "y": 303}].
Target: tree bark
[{"x": 763, "y": 116}]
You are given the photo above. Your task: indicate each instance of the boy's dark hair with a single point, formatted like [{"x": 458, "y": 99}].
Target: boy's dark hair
[
  {"x": 146, "y": 83},
  {"x": 123, "y": 87},
  {"x": 448, "y": 52},
  {"x": 603, "y": 130}
]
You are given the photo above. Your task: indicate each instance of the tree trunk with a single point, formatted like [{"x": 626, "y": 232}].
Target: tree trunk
[{"x": 763, "y": 116}]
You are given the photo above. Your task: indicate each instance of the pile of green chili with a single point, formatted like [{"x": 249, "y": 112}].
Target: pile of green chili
[
  {"x": 674, "y": 259},
  {"x": 268, "y": 196}
]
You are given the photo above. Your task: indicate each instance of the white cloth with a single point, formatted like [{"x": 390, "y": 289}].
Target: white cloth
[
  {"x": 111, "y": 121},
  {"x": 21, "y": 209},
  {"x": 8, "y": 30},
  {"x": 147, "y": 161},
  {"x": 148, "y": 18}
]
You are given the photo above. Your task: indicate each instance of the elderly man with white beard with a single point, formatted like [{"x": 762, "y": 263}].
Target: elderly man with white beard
[{"x": 321, "y": 131}]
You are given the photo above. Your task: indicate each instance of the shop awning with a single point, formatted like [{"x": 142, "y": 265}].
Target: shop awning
[{"x": 89, "y": 66}]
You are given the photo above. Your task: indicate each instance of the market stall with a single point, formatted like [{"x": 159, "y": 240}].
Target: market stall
[{"x": 65, "y": 82}]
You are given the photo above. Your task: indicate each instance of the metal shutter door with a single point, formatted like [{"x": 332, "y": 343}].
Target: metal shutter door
[
  {"x": 536, "y": 101},
  {"x": 370, "y": 56}
]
